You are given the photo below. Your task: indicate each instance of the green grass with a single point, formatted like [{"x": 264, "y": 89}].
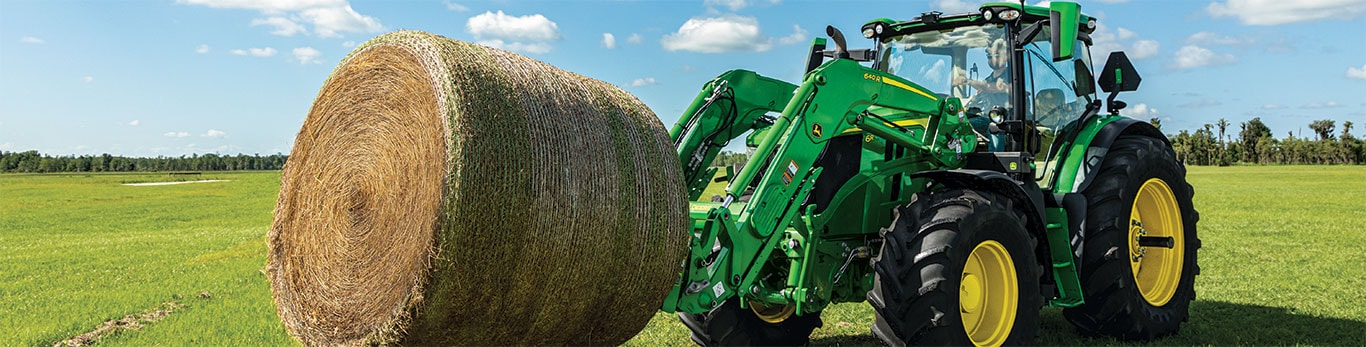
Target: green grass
[
  {"x": 78, "y": 250},
  {"x": 1281, "y": 262}
]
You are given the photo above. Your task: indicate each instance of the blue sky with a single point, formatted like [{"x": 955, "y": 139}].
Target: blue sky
[{"x": 174, "y": 77}]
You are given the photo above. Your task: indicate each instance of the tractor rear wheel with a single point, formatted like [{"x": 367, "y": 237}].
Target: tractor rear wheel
[
  {"x": 732, "y": 325},
  {"x": 1133, "y": 290},
  {"x": 956, "y": 268}
]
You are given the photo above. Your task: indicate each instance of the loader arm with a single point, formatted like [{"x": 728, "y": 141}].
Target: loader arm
[
  {"x": 728, "y": 106},
  {"x": 730, "y": 248}
]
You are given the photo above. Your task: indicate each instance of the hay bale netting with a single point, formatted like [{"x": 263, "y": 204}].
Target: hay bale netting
[{"x": 448, "y": 193}]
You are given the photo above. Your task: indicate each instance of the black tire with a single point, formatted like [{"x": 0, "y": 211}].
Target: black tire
[
  {"x": 732, "y": 325},
  {"x": 921, "y": 266},
  {"x": 1114, "y": 304}
]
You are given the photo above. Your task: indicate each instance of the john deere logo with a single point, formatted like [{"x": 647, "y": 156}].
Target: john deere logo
[
  {"x": 1014, "y": 166},
  {"x": 816, "y": 130}
]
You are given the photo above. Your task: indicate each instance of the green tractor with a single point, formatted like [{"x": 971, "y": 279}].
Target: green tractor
[{"x": 958, "y": 176}]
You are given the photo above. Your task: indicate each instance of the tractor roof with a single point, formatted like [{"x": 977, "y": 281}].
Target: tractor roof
[{"x": 934, "y": 19}]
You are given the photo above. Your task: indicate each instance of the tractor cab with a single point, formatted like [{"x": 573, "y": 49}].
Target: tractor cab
[{"x": 1023, "y": 81}]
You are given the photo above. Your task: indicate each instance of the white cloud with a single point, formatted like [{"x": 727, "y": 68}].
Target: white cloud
[
  {"x": 256, "y": 52},
  {"x": 1277, "y": 12},
  {"x": 530, "y": 33},
  {"x": 1272, "y": 107},
  {"x": 1357, "y": 73},
  {"x": 31, "y": 39},
  {"x": 88, "y": 79},
  {"x": 328, "y": 21},
  {"x": 1112, "y": 1},
  {"x": 634, "y": 38},
  {"x": 202, "y": 49},
  {"x": 134, "y": 123},
  {"x": 525, "y": 47},
  {"x": 1209, "y": 38},
  {"x": 954, "y": 6},
  {"x": 176, "y": 134},
  {"x": 1192, "y": 56},
  {"x": 500, "y": 26},
  {"x": 734, "y": 5},
  {"x": 307, "y": 55},
  {"x": 641, "y": 82},
  {"x": 213, "y": 133},
  {"x": 349, "y": 44},
  {"x": 729, "y": 33},
  {"x": 456, "y": 7},
  {"x": 1143, "y": 49},
  {"x": 1107, "y": 40},
  {"x": 1318, "y": 105},
  {"x": 798, "y": 35},
  {"x": 283, "y": 26},
  {"x": 1140, "y": 111},
  {"x": 328, "y": 17},
  {"x": 609, "y": 40},
  {"x": 1125, "y": 34}
]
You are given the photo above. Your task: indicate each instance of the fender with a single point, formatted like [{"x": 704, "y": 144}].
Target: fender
[
  {"x": 1083, "y": 157},
  {"x": 1025, "y": 194}
]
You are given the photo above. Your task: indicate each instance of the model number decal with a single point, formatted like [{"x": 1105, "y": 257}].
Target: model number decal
[{"x": 791, "y": 172}]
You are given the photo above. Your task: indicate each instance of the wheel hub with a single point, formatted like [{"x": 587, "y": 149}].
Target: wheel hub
[
  {"x": 772, "y": 314},
  {"x": 988, "y": 294},
  {"x": 1156, "y": 220}
]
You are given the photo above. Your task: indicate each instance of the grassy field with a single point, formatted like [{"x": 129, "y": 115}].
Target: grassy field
[{"x": 1281, "y": 263}]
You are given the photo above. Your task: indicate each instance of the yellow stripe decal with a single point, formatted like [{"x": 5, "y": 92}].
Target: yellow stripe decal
[
  {"x": 904, "y": 123},
  {"x": 898, "y": 84}
]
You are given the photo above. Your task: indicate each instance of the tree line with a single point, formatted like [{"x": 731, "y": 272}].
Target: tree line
[
  {"x": 1253, "y": 143},
  {"x": 32, "y": 161}
]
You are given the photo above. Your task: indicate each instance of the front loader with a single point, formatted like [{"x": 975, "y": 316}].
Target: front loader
[{"x": 958, "y": 176}]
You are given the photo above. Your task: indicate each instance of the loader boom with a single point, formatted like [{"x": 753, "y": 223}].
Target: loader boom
[{"x": 840, "y": 98}]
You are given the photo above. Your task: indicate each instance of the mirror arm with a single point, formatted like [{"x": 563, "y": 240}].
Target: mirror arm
[
  {"x": 1112, "y": 105},
  {"x": 1027, "y": 35}
]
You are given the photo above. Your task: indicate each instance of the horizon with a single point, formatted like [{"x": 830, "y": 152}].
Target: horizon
[{"x": 226, "y": 77}]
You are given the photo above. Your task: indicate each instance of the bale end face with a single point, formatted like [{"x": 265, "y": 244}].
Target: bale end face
[{"x": 359, "y": 201}]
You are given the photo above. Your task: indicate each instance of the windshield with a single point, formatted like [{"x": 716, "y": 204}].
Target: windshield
[{"x": 970, "y": 63}]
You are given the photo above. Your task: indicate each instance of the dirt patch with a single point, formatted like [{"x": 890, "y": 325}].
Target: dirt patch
[
  {"x": 128, "y": 322},
  {"x": 170, "y": 183}
]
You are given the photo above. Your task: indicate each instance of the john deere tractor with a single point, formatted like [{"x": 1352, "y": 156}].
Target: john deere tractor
[{"x": 958, "y": 176}]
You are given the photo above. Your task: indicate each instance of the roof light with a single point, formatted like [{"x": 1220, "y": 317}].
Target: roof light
[
  {"x": 1010, "y": 14},
  {"x": 1091, "y": 24},
  {"x": 987, "y": 14},
  {"x": 868, "y": 33},
  {"x": 878, "y": 28}
]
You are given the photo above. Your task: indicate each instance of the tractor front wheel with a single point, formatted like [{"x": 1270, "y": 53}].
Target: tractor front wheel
[
  {"x": 957, "y": 268},
  {"x": 733, "y": 325},
  {"x": 1138, "y": 259}
]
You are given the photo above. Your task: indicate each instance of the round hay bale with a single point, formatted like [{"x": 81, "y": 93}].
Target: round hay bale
[{"x": 442, "y": 192}]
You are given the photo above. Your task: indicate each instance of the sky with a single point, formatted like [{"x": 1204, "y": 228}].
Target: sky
[{"x": 175, "y": 77}]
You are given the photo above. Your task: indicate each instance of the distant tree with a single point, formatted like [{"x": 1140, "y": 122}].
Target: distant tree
[
  {"x": 1324, "y": 128},
  {"x": 1156, "y": 122},
  {"x": 1251, "y": 137}
]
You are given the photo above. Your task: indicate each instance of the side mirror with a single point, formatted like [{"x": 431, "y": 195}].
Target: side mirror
[
  {"x": 1119, "y": 75},
  {"x": 1063, "y": 18},
  {"x": 1083, "y": 79}
]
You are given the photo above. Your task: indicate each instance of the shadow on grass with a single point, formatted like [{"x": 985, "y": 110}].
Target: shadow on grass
[{"x": 1211, "y": 323}]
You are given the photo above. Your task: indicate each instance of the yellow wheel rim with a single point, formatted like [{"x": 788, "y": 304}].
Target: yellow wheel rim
[
  {"x": 988, "y": 294},
  {"x": 772, "y": 314},
  {"x": 1156, "y": 270}
]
